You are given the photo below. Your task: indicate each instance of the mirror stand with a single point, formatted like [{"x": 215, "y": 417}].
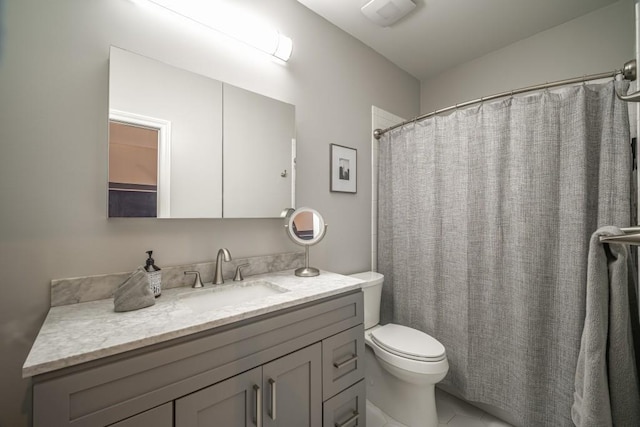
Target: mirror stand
[{"x": 306, "y": 271}]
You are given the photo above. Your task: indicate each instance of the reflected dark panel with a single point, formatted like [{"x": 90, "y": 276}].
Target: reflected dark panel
[
  {"x": 133, "y": 170},
  {"x": 132, "y": 202},
  {"x": 303, "y": 234}
]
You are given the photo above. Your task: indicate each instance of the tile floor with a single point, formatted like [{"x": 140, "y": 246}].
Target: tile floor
[{"x": 452, "y": 412}]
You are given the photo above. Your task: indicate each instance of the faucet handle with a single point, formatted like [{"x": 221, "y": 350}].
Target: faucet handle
[
  {"x": 238, "y": 277},
  {"x": 197, "y": 282}
]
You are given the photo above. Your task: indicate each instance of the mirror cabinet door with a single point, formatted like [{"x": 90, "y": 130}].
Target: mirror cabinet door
[
  {"x": 144, "y": 91},
  {"x": 257, "y": 134}
]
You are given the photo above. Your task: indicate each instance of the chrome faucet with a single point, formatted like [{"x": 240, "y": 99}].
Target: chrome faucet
[{"x": 217, "y": 276}]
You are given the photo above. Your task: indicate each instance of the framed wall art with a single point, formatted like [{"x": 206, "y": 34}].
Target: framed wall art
[{"x": 343, "y": 169}]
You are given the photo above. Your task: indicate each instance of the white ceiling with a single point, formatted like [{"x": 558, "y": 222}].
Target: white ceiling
[{"x": 440, "y": 34}]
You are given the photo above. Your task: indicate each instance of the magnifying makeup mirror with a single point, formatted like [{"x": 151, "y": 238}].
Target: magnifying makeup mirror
[{"x": 306, "y": 227}]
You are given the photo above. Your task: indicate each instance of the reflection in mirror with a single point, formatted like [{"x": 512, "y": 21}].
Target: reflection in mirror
[
  {"x": 133, "y": 170},
  {"x": 139, "y": 165},
  {"x": 306, "y": 227}
]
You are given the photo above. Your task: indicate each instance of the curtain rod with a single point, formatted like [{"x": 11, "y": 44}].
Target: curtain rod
[{"x": 628, "y": 72}]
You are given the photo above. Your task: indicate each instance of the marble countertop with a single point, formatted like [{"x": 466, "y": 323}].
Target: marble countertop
[{"x": 78, "y": 333}]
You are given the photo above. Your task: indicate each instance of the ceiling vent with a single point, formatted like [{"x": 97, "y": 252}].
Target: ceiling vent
[{"x": 387, "y": 12}]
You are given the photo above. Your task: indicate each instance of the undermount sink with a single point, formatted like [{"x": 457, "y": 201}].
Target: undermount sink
[{"x": 229, "y": 295}]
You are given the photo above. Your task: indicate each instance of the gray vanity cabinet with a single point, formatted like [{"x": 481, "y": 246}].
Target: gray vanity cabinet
[{"x": 214, "y": 377}]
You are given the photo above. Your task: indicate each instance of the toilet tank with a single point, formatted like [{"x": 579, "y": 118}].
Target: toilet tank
[{"x": 372, "y": 289}]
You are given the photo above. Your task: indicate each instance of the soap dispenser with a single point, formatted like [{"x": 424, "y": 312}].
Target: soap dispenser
[{"x": 154, "y": 275}]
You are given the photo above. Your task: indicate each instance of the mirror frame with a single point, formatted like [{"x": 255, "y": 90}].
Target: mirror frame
[{"x": 296, "y": 238}]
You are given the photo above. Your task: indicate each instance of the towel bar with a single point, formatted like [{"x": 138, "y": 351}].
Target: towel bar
[{"x": 631, "y": 236}]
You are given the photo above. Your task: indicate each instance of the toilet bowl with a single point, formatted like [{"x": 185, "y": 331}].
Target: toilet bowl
[{"x": 402, "y": 364}]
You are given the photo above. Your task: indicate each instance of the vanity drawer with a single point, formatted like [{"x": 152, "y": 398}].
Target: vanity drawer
[
  {"x": 347, "y": 409},
  {"x": 342, "y": 360}
]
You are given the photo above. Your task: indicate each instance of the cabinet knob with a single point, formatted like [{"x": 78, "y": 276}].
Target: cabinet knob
[{"x": 350, "y": 360}]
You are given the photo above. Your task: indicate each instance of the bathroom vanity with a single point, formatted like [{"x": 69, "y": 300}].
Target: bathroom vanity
[{"x": 294, "y": 358}]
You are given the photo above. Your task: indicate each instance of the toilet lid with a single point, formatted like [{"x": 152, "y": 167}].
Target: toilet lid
[{"x": 408, "y": 342}]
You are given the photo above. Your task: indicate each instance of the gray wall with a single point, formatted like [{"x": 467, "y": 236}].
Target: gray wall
[
  {"x": 53, "y": 149},
  {"x": 597, "y": 42}
]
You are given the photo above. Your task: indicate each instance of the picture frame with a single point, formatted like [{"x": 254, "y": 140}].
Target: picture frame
[{"x": 343, "y": 169}]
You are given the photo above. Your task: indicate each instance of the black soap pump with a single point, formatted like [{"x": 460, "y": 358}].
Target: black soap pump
[{"x": 154, "y": 275}]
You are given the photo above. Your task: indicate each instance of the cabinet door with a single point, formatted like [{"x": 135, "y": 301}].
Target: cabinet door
[
  {"x": 189, "y": 155},
  {"x": 257, "y": 152},
  {"x": 162, "y": 416},
  {"x": 293, "y": 389},
  {"x": 230, "y": 403}
]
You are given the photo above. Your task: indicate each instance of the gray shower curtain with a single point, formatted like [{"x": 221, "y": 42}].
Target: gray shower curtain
[{"x": 485, "y": 217}]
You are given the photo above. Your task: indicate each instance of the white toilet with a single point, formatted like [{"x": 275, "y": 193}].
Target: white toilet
[{"x": 402, "y": 364}]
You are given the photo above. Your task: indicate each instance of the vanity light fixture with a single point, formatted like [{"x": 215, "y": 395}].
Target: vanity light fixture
[{"x": 231, "y": 22}]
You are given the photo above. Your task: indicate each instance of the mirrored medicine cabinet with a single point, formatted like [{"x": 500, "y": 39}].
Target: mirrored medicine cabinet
[{"x": 182, "y": 145}]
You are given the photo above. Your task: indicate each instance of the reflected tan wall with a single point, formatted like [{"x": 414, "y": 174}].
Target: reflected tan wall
[
  {"x": 304, "y": 221},
  {"x": 133, "y": 154}
]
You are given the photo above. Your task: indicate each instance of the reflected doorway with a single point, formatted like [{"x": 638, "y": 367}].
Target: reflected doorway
[
  {"x": 133, "y": 170},
  {"x": 139, "y": 166}
]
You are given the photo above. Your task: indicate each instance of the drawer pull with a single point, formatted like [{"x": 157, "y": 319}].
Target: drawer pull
[
  {"x": 352, "y": 359},
  {"x": 272, "y": 382},
  {"x": 258, "y": 418},
  {"x": 351, "y": 419}
]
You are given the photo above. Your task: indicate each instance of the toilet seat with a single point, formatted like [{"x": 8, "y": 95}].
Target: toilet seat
[
  {"x": 408, "y": 343},
  {"x": 406, "y": 364}
]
